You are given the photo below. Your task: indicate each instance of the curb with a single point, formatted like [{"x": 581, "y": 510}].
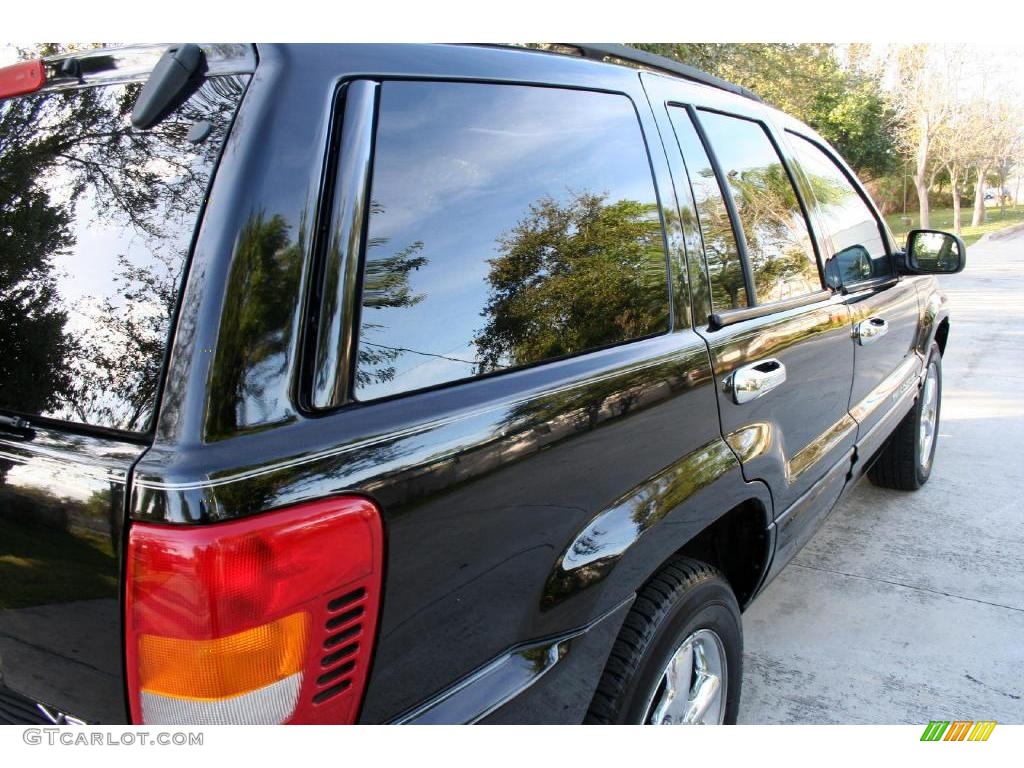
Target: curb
[{"x": 1000, "y": 234}]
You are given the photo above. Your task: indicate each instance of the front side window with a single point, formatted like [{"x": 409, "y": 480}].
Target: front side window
[
  {"x": 860, "y": 252},
  {"x": 778, "y": 242},
  {"x": 507, "y": 225}
]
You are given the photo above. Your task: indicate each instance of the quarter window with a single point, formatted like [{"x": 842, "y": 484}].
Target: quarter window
[
  {"x": 507, "y": 225},
  {"x": 778, "y": 242},
  {"x": 860, "y": 251}
]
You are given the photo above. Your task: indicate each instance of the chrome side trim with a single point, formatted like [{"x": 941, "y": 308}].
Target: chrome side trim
[
  {"x": 732, "y": 316},
  {"x": 893, "y": 386},
  {"x": 869, "y": 442},
  {"x": 817, "y": 449}
]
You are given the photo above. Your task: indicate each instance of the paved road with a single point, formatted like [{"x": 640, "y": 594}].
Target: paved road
[{"x": 909, "y": 607}]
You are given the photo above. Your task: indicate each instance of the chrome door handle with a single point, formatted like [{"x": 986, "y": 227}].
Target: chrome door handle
[
  {"x": 751, "y": 381},
  {"x": 871, "y": 330}
]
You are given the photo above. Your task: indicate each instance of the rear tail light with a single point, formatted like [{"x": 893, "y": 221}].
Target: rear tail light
[
  {"x": 270, "y": 619},
  {"x": 24, "y": 77}
]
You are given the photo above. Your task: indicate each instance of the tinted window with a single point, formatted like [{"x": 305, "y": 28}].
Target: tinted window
[
  {"x": 95, "y": 224},
  {"x": 775, "y": 230},
  {"x": 860, "y": 251},
  {"x": 725, "y": 272},
  {"x": 508, "y": 225}
]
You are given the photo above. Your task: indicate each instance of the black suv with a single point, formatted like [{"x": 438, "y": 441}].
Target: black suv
[{"x": 420, "y": 384}]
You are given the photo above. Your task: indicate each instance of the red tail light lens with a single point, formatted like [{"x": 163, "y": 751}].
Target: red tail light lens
[
  {"x": 269, "y": 619},
  {"x": 25, "y": 77}
]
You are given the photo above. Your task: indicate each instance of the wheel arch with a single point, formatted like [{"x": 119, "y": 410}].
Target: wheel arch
[
  {"x": 739, "y": 544},
  {"x": 723, "y": 520}
]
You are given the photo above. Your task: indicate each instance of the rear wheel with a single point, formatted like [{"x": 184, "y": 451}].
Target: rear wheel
[
  {"x": 678, "y": 659},
  {"x": 906, "y": 462}
]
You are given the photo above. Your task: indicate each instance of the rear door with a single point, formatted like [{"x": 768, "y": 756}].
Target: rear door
[
  {"x": 779, "y": 338},
  {"x": 96, "y": 220},
  {"x": 884, "y": 308}
]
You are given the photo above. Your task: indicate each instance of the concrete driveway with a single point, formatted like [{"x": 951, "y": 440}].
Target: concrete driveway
[{"x": 909, "y": 607}]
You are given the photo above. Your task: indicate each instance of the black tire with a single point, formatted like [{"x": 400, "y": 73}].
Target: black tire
[
  {"x": 686, "y": 595},
  {"x": 899, "y": 465}
]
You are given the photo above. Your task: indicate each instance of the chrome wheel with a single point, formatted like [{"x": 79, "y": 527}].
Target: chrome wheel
[
  {"x": 691, "y": 690},
  {"x": 929, "y": 417}
]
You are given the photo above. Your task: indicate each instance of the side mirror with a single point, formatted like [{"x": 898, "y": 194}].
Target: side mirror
[{"x": 930, "y": 252}]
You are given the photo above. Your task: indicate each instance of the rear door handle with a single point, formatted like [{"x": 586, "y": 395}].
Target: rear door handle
[
  {"x": 871, "y": 330},
  {"x": 751, "y": 381}
]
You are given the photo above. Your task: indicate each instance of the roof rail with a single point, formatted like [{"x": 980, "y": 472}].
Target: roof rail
[{"x": 604, "y": 51}]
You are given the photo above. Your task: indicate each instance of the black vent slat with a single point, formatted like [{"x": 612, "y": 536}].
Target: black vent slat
[
  {"x": 334, "y": 674},
  {"x": 342, "y": 646},
  {"x": 345, "y": 618},
  {"x": 340, "y": 602},
  {"x": 337, "y": 656},
  {"x": 341, "y": 637},
  {"x": 331, "y": 692}
]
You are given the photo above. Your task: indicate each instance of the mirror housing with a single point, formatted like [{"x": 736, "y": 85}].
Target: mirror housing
[{"x": 932, "y": 252}]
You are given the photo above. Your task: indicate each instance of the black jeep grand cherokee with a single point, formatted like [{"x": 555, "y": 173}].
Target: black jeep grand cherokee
[{"x": 426, "y": 383}]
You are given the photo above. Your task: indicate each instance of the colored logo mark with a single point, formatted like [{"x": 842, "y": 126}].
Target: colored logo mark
[{"x": 958, "y": 730}]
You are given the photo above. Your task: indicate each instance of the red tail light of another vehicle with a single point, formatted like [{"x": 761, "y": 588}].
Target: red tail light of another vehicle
[{"x": 269, "y": 619}]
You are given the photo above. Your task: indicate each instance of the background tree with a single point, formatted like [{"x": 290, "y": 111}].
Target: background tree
[
  {"x": 836, "y": 92},
  {"x": 998, "y": 130},
  {"x": 927, "y": 80},
  {"x": 955, "y": 148},
  {"x": 572, "y": 276}
]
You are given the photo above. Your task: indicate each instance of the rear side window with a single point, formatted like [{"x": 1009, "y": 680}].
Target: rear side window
[
  {"x": 507, "y": 225},
  {"x": 775, "y": 230},
  {"x": 96, "y": 219},
  {"x": 725, "y": 271},
  {"x": 860, "y": 251}
]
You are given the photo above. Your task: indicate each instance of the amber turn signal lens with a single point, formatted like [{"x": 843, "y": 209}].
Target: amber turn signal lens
[{"x": 227, "y": 666}]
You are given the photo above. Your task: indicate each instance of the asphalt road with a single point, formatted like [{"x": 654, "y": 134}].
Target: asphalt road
[{"x": 909, "y": 607}]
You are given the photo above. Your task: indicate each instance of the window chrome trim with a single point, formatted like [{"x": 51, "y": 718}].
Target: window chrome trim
[
  {"x": 728, "y": 317},
  {"x": 339, "y": 277}
]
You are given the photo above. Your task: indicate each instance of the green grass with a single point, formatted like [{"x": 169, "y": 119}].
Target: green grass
[{"x": 942, "y": 218}]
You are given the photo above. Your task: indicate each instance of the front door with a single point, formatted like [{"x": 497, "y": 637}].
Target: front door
[{"x": 884, "y": 309}]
